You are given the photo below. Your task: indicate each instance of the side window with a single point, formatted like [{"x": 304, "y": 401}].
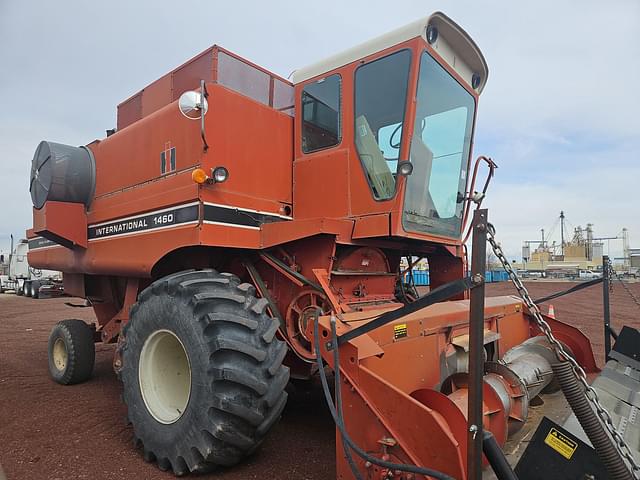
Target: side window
[
  {"x": 321, "y": 114},
  {"x": 380, "y": 100}
]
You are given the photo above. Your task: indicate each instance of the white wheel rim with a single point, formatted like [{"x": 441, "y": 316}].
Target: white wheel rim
[
  {"x": 60, "y": 354},
  {"x": 164, "y": 375}
]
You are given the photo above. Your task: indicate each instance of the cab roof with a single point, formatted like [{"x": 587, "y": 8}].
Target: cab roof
[{"x": 453, "y": 44}]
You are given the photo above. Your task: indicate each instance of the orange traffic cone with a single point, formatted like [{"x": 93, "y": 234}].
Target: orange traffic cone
[{"x": 552, "y": 312}]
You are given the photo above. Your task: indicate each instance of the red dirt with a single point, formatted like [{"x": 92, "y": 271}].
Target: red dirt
[{"x": 48, "y": 431}]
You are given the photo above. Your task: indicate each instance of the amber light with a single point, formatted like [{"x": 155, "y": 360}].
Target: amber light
[{"x": 199, "y": 176}]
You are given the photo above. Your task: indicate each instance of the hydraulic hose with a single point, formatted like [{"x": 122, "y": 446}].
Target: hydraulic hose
[
  {"x": 338, "y": 418},
  {"x": 496, "y": 457},
  {"x": 591, "y": 424}
]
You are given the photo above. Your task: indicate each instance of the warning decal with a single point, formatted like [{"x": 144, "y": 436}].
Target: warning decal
[
  {"x": 399, "y": 331},
  {"x": 561, "y": 443}
]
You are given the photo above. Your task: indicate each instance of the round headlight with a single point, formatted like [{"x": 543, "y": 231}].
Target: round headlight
[
  {"x": 405, "y": 168},
  {"x": 220, "y": 174}
]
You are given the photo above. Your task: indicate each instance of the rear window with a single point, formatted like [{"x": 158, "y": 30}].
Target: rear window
[{"x": 321, "y": 125}]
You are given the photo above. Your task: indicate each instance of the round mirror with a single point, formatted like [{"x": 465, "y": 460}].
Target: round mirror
[{"x": 191, "y": 105}]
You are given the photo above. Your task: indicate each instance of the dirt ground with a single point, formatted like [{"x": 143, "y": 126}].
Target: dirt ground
[{"x": 48, "y": 431}]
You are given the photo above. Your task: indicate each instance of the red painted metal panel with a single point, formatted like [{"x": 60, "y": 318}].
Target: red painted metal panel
[
  {"x": 188, "y": 76},
  {"x": 130, "y": 111},
  {"x": 62, "y": 220}
]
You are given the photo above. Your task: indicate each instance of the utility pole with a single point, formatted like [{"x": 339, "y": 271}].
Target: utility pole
[
  {"x": 562, "y": 233},
  {"x": 543, "y": 251}
]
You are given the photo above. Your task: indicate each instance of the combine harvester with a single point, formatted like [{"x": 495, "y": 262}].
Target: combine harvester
[{"x": 237, "y": 229}]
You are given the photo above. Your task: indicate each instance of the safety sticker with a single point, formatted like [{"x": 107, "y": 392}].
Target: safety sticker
[
  {"x": 399, "y": 331},
  {"x": 561, "y": 443}
]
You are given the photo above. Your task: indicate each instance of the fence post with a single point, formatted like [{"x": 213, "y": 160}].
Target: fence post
[{"x": 605, "y": 305}]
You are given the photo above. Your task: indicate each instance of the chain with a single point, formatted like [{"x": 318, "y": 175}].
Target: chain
[
  {"x": 564, "y": 356},
  {"x": 611, "y": 274}
]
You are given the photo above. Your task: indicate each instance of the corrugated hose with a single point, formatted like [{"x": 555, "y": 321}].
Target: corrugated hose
[{"x": 576, "y": 397}]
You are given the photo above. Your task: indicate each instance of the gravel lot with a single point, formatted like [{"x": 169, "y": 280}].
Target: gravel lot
[{"x": 48, "y": 431}]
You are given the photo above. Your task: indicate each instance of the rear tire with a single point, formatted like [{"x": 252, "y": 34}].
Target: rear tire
[
  {"x": 202, "y": 371},
  {"x": 72, "y": 352},
  {"x": 26, "y": 288},
  {"x": 35, "y": 289}
]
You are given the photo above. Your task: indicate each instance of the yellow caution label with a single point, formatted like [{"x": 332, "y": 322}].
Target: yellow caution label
[
  {"x": 399, "y": 331},
  {"x": 561, "y": 443}
]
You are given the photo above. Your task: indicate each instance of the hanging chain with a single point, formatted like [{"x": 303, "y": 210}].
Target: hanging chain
[
  {"x": 613, "y": 273},
  {"x": 564, "y": 356}
]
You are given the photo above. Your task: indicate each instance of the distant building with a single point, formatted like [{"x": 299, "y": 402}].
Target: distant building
[{"x": 583, "y": 251}]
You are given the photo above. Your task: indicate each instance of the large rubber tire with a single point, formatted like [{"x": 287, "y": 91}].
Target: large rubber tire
[
  {"x": 18, "y": 289},
  {"x": 35, "y": 289},
  {"x": 237, "y": 388},
  {"x": 26, "y": 288},
  {"x": 72, "y": 352}
]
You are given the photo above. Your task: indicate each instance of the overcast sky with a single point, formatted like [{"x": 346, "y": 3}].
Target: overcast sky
[{"x": 560, "y": 113}]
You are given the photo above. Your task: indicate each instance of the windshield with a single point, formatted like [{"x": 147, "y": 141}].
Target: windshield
[{"x": 439, "y": 152}]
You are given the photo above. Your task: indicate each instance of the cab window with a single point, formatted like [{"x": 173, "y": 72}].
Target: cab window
[
  {"x": 321, "y": 114},
  {"x": 380, "y": 100}
]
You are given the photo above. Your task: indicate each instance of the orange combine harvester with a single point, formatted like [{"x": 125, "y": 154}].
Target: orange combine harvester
[{"x": 238, "y": 229}]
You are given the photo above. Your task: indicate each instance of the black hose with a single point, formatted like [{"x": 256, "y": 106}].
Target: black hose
[
  {"x": 576, "y": 397},
  {"x": 338, "y": 394},
  {"x": 339, "y": 419},
  {"x": 496, "y": 457}
]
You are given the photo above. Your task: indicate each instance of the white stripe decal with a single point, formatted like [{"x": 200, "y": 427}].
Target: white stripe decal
[
  {"x": 144, "y": 214},
  {"x": 231, "y": 207},
  {"x": 211, "y": 222}
]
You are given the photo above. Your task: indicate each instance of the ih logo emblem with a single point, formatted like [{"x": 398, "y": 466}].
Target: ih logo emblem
[{"x": 168, "y": 160}]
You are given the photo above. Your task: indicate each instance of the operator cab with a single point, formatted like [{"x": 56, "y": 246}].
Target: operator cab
[{"x": 408, "y": 96}]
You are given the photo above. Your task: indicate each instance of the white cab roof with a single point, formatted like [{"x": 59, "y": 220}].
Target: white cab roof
[{"x": 453, "y": 44}]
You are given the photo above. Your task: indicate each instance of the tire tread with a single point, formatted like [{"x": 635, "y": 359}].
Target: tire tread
[{"x": 245, "y": 375}]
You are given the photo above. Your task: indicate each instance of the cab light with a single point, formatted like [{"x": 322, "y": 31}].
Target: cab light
[
  {"x": 219, "y": 174},
  {"x": 405, "y": 168}
]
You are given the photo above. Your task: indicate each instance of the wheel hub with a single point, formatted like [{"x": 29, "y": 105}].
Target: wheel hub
[
  {"x": 164, "y": 375},
  {"x": 60, "y": 354}
]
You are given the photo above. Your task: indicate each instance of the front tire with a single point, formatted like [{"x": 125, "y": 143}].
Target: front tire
[{"x": 202, "y": 371}]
